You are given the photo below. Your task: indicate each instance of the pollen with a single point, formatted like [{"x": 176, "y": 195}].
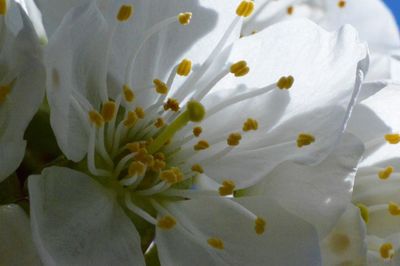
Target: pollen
[
  {"x": 290, "y": 10},
  {"x": 171, "y": 176},
  {"x": 159, "y": 123},
  {"x": 392, "y": 138},
  {"x": 4, "y": 91},
  {"x": 305, "y": 139},
  {"x": 227, "y": 188},
  {"x": 160, "y": 86},
  {"x": 3, "y": 7},
  {"x": 108, "y": 110},
  {"x": 386, "y": 250},
  {"x": 128, "y": 93},
  {"x": 125, "y": 12},
  {"x": 136, "y": 168},
  {"x": 285, "y": 83},
  {"x": 234, "y": 139},
  {"x": 171, "y": 104},
  {"x": 341, "y": 3},
  {"x": 250, "y": 124},
  {"x": 196, "y": 111},
  {"x": 184, "y": 18},
  {"x": 385, "y": 174},
  {"x": 197, "y": 131},
  {"x": 363, "y": 212},
  {"x": 239, "y": 69},
  {"x": 96, "y": 118},
  {"x": 184, "y": 67},
  {"x": 216, "y": 243},
  {"x": 133, "y": 147},
  {"x": 139, "y": 112},
  {"x": 197, "y": 168},
  {"x": 394, "y": 208},
  {"x": 131, "y": 119},
  {"x": 166, "y": 222},
  {"x": 144, "y": 157},
  {"x": 259, "y": 225},
  {"x": 245, "y": 8},
  {"x": 201, "y": 145},
  {"x": 158, "y": 165}
]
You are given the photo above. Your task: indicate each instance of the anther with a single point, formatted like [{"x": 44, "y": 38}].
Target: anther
[
  {"x": 227, "y": 188},
  {"x": 125, "y": 12},
  {"x": 363, "y": 212},
  {"x": 171, "y": 104},
  {"x": 285, "y": 82},
  {"x": 197, "y": 131},
  {"x": 245, "y": 8},
  {"x": 128, "y": 93},
  {"x": 160, "y": 86},
  {"x": 239, "y": 69},
  {"x": 197, "y": 168},
  {"x": 139, "y": 112},
  {"x": 171, "y": 176},
  {"x": 166, "y": 222},
  {"x": 159, "y": 123},
  {"x": 386, "y": 250},
  {"x": 385, "y": 174},
  {"x": 159, "y": 156},
  {"x": 184, "y": 18},
  {"x": 131, "y": 119},
  {"x": 341, "y": 3},
  {"x": 250, "y": 124},
  {"x": 394, "y": 208},
  {"x": 184, "y": 67},
  {"x": 108, "y": 110},
  {"x": 259, "y": 225},
  {"x": 234, "y": 139},
  {"x": 290, "y": 10},
  {"x": 3, "y": 7},
  {"x": 133, "y": 147},
  {"x": 305, "y": 139},
  {"x": 144, "y": 157},
  {"x": 4, "y": 91},
  {"x": 96, "y": 118},
  {"x": 201, "y": 145},
  {"x": 216, "y": 243},
  {"x": 392, "y": 138},
  {"x": 136, "y": 168}
]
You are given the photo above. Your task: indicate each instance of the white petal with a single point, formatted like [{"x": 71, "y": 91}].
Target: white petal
[
  {"x": 287, "y": 240},
  {"x": 15, "y": 237},
  {"x": 75, "y": 221},
  {"x": 345, "y": 245}
]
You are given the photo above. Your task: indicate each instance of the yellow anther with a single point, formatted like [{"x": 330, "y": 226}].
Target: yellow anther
[
  {"x": 240, "y": 68},
  {"x": 3, "y": 7},
  {"x": 171, "y": 176},
  {"x": 4, "y": 91},
  {"x": 128, "y": 93},
  {"x": 131, "y": 119},
  {"x": 158, "y": 165},
  {"x": 159, "y": 123},
  {"x": 177, "y": 172},
  {"x": 245, "y": 8},
  {"x": 339, "y": 243},
  {"x": 259, "y": 226},
  {"x": 392, "y": 138},
  {"x": 290, "y": 10},
  {"x": 197, "y": 131},
  {"x": 394, "y": 208},
  {"x": 201, "y": 145},
  {"x": 171, "y": 104},
  {"x": 133, "y": 147},
  {"x": 250, "y": 124},
  {"x": 184, "y": 18},
  {"x": 216, "y": 243},
  {"x": 195, "y": 111},
  {"x": 159, "y": 156},
  {"x": 139, "y": 112},
  {"x": 184, "y": 67},
  {"x": 386, "y": 250},
  {"x": 227, "y": 188},
  {"x": 108, "y": 111},
  {"x": 125, "y": 12},
  {"x": 136, "y": 168},
  {"x": 385, "y": 174},
  {"x": 166, "y": 222},
  {"x": 197, "y": 168},
  {"x": 364, "y": 212},
  {"x": 234, "y": 139},
  {"x": 144, "y": 157},
  {"x": 305, "y": 139},
  {"x": 285, "y": 82},
  {"x": 160, "y": 86},
  {"x": 341, "y": 3},
  {"x": 96, "y": 118}
]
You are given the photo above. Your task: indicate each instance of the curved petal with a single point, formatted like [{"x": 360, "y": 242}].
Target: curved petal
[
  {"x": 75, "y": 221},
  {"x": 15, "y": 237},
  {"x": 287, "y": 239}
]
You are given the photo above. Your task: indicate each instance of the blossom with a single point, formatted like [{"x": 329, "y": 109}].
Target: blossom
[
  {"x": 22, "y": 78},
  {"x": 167, "y": 113}
]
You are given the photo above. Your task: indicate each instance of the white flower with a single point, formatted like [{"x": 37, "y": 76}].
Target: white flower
[
  {"x": 22, "y": 78},
  {"x": 156, "y": 107}
]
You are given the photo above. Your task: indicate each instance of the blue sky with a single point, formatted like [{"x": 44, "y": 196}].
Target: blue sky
[{"x": 395, "y": 7}]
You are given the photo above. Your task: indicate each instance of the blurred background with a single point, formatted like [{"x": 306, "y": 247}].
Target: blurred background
[{"x": 394, "y": 5}]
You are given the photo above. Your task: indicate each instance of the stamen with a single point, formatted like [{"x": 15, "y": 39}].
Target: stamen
[
  {"x": 166, "y": 222},
  {"x": 197, "y": 131},
  {"x": 386, "y": 250},
  {"x": 392, "y": 138},
  {"x": 171, "y": 176},
  {"x": 159, "y": 123},
  {"x": 184, "y": 67},
  {"x": 364, "y": 212},
  {"x": 290, "y": 10},
  {"x": 3, "y": 7},
  {"x": 136, "y": 168},
  {"x": 305, "y": 139},
  {"x": 160, "y": 86},
  {"x": 5, "y": 89},
  {"x": 259, "y": 226},
  {"x": 139, "y": 112},
  {"x": 285, "y": 82},
  {"x": 201, "y": 145},
  {"x": 250, "y": 124},
  {"x": 245, "y": 8},
  {"x": 394, "y": 208},
  {"x": 131, "y": 119},
  {"x": 227, "y": 188},
  {"x": 133, "y": 147},
  {"x": 184, "y": 18},
  {"x": 125, "y": 12},
  {"x": 129, "y": 96},
  {"x": 171, "y": 104},
  {"x": 240, "y": 69},
  {"x": 96, "y": 118},
  {"x": 197, "y": 168},
  {"x": 132, "y": 207},
  {"x": 341, "y": 4},
  {"x": 108, "y": 111},
  {"x": 234, "y": 139},
  {"x": 91, "y": 156},
  {"x": 385, "y": 174},
  {"x": 216, "y": 243}
]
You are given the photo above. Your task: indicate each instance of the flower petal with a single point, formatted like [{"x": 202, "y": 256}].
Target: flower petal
[{"x": 75, "y": 221}]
